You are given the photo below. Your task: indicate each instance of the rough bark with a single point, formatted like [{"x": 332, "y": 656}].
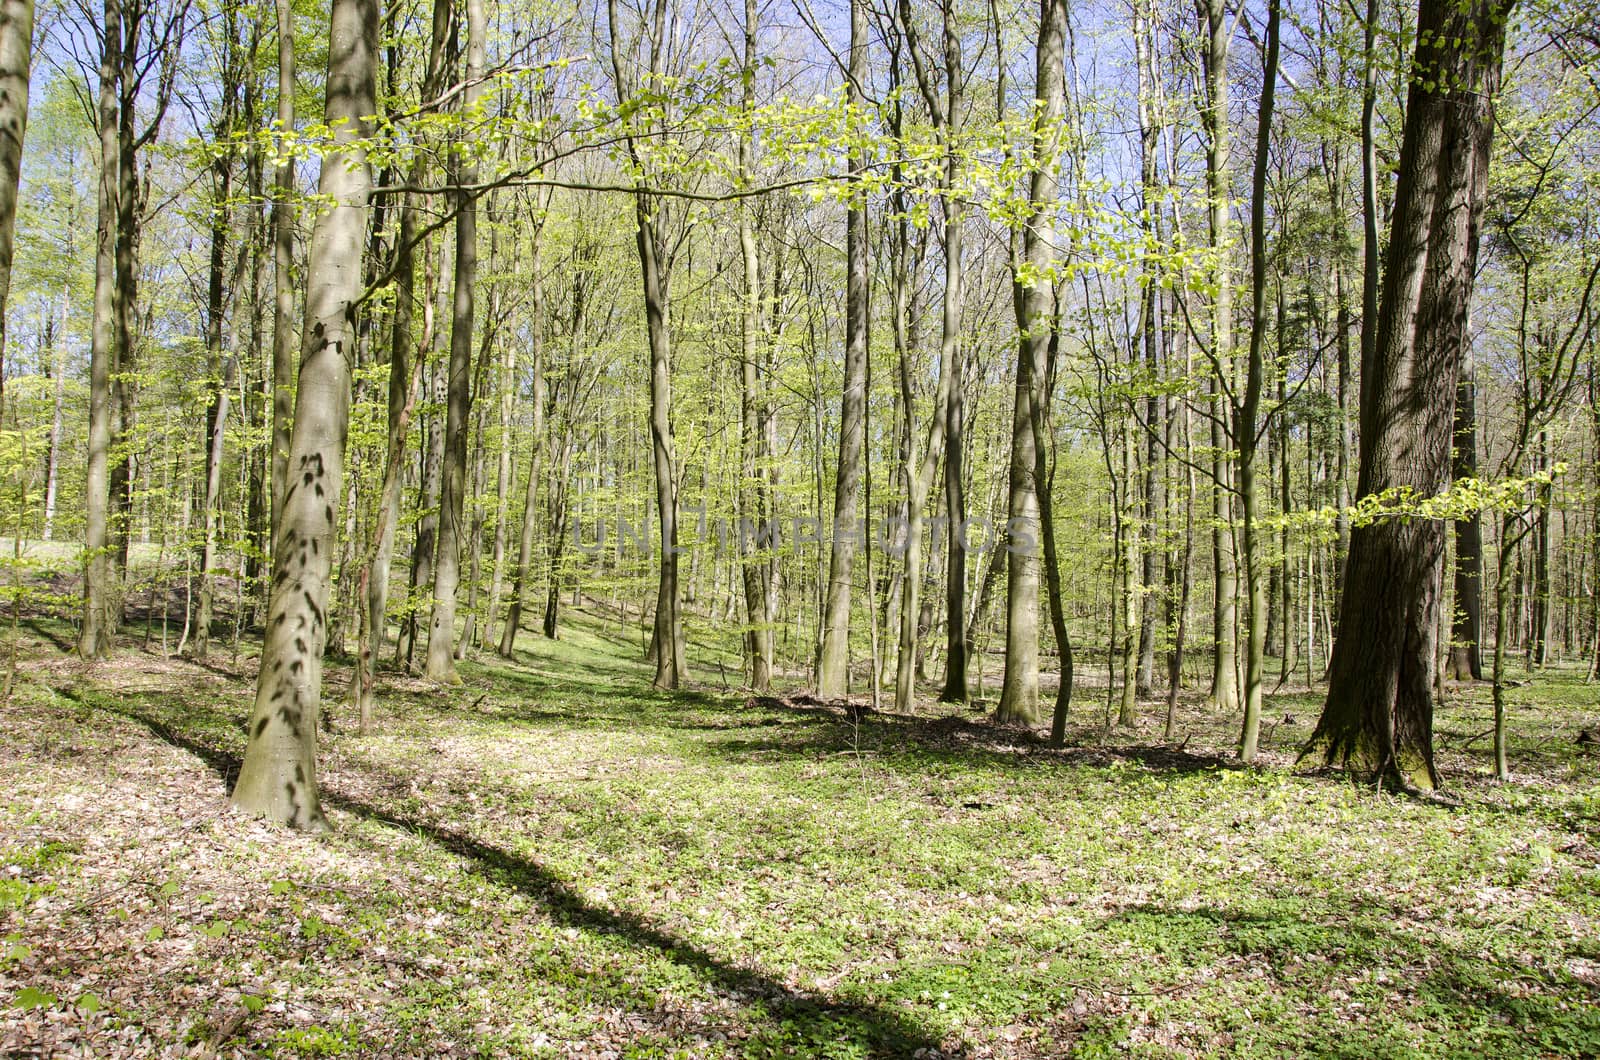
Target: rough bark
[{"x": 1378, "y": 720}]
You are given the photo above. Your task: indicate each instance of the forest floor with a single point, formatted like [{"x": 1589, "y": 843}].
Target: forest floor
[{"x": 550, "y": 860}]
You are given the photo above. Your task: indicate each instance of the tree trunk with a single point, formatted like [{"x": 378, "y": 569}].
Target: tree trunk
[
  {"x": 283, "y": 336},
  {"x": 16, "y": 43},
  {"x": 99, "y": 624},
  {"x": 833, "y": 654},
  {"x": 1034, "y": 300},
  {"x": 1378, "y": 720},
  {"x": 530, "y": 503},
  {"x": 1217, "y": 27},
  {"x": 278, "y": 778},
  {"x": 440, "y": 664},
  {"x": 1466, "y": 627},
  {"x": 755, "y": 502},
  {"x": 1246, "y": 426}
]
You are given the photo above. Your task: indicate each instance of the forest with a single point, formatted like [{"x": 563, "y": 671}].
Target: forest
[{"x": 837, "y": 528}]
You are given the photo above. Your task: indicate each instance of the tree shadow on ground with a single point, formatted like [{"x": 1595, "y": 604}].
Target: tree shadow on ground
[
  {"x": 810, "y": 1017},
  {"x": 810, "y": 730}
]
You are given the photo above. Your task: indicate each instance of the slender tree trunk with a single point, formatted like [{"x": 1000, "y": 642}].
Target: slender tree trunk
[
  {"x": 1246, "y": 424},
  {"x": 530, "y": 503},
  {"x": 283, "y": 336},
  {"x": 833, "y": 654},
  {"x": 440, "y": 664},
  {"x": 755, "y": 502},
  {"x": 58, "y": 371},
  {"x": 99, "y": 624},
  {"x": 1466, "y": 636},
  {"x": 1217, "y": 28},
  {"x": 502, "y": 485},
  {"x": 278, "y": 778},
  {"x": 219, "y": 364}
]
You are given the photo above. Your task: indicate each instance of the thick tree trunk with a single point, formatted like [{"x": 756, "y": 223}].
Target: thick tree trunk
[
  {"x": 1034, "y": 300},
  {"x": 278, "y": 778},
  {"x": 1378, "y": 720}
]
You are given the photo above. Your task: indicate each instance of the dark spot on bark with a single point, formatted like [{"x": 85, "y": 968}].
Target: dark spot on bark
[{"x": 261, "y": 726}]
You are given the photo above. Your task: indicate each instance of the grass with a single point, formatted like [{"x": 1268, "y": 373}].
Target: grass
[{"x": 551, "y": 860}]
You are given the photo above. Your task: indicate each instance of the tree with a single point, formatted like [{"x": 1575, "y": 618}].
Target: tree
[
  {"x": 1034, "y": 298},
  {"x": 1378, "y": 719},
  {"x": 833, "y": 651},
  {"x": 453, "y": 537},
  {"x": 278, "y": 778},
  {"x": 99, "y": 620},
  {"x": 16, "y": 45}
]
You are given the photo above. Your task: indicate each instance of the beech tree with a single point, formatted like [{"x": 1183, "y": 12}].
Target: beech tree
[{"x": 278, "y": 778}]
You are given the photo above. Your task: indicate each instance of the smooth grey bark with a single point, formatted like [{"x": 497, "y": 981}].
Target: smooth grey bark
[
  {"x": 99, "y": 624},
  {"x": 655, "y": 270},
  {"x": 278, "y": 778},
  {"x": 833, "y": 650},
  {"x": 283, "y": 337},
  {"x": 755, "y": 501},
  {"x": 1034, "y": 299},
  {"x": 1217, "y": 28},
  {"x": 16, "y": 43},
  {"x": 220, "y": 365},
  {"x": 1247, "y": 427},
  {"x": 530, "y": 504},
  {"x": 440, "y": 665},
  {"x": 1466, "y": 625}
]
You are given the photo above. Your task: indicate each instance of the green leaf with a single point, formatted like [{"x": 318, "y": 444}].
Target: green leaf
[
  {"x": 156, "y": 933},
  {"x": 251, "y": 1003},
  {"x": 31, "y": 997},
  {"x": 88, "y": 1002},
  {"x": 281, "y": 887},
  {"x": 217, "y": 928}
]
